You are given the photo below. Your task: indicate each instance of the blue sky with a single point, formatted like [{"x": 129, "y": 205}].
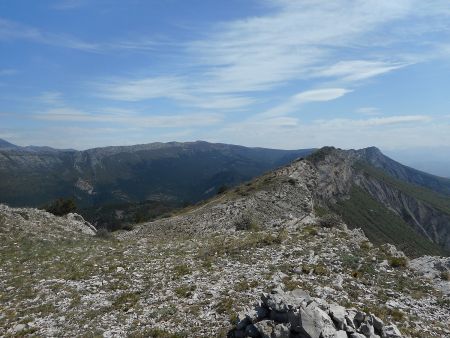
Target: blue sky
[{"x": 271, "y": 73}]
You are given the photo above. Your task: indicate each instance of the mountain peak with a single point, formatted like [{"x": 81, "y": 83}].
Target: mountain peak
[{"x": 7, "y": 145}]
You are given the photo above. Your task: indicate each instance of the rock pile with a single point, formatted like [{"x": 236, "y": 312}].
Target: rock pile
[{"x": 295, "y": 314}]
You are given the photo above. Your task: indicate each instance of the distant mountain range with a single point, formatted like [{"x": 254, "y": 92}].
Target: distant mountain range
[{"x": 157, "y": 173}]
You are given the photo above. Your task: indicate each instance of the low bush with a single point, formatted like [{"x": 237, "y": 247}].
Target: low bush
[
  {"x": 62, "y": 207},
  {"x": 181, "y": 270},
  {"x": 398, "y": 262},
  {"x": 445, "y": 275},
  {"x": 103, "y": 233},
  {"x": 246, "y": 222},
  {"x": 222, "y": 189},
  {"x": 185, "y": 291},
  {"x": 329, "y": 221}
]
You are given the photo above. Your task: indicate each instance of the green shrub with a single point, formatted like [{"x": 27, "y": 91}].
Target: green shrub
[
  {"x": 185, "y": 291},
  {"x": 292, "y": 181},
  {"x": 103, "y": 233},
  {"x": 329, "y": 221},
  {"x": 320, "y": 211},
  {"x": 245, "y": 285},
  {"x": 222, "y": 189},
  {"x": 127, "y": 227},
  {"x": 246, "y": 223},
  {"x": 225, "y": 306},
  {"x": 398, "y": 262},
  {"x": 126, "y": 301},
  {"x": 181, "y": 270},
  {"x": 62, "y": 207}
]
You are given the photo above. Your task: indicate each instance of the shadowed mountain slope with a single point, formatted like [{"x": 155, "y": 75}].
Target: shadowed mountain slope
[{"x": 173, "y": 172}]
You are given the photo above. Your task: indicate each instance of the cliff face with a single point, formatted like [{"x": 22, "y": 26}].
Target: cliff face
[
  {"x": 417, "y": 198},
  {"x": 424, "y": 218}
]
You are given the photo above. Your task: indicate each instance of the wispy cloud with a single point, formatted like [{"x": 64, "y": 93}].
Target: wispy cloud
[
  {"x": 357, "y": 70},
  {"x": 314, "y": 95},
  {"x": 296, "y": 41},
  {"x": 67, "y": 114},
  {"x": 170, "y": 87},
  {"x": 69, "y": 4},
  {"x": 51, "y": 98},
  {"x": 142, "y": 89},
  {"x": 368, "y": 111},
  {"x": 375, "y": 121},
  {"x": 320, "y": 95},
  {"x": 59, "y": 111},
  {"x": 8, "y": 71},
  {"x": 299, "y": 40},
  {"x": 12, "y": 30}
]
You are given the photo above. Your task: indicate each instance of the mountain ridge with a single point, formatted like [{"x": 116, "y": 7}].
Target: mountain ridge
[
  {"x": 321, "y": 184},
  {"x": 175, "y": 172}
]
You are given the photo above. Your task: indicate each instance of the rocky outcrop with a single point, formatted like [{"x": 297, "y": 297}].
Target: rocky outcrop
[
  {"x": 35, "y": 223},
  {"x": 436, "y": 269},
  {"x": 295, "y": 314}
]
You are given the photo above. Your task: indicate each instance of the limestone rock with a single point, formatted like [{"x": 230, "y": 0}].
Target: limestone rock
[
  {"x": 337, "y": 313},
  {"x": 391, "y": 331}
]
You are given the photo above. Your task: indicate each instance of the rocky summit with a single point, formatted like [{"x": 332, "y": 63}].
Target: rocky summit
[{"x": 269, "y": 258}]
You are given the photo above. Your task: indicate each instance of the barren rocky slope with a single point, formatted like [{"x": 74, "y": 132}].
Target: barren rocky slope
[{"x": 199, "y": 273}]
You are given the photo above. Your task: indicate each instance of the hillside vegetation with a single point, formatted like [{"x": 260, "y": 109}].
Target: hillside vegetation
[{"x": 382, "y": 225}]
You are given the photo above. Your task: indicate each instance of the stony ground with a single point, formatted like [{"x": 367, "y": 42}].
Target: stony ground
[{"x": 180, "y": 285}]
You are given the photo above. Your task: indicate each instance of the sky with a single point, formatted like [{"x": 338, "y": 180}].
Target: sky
[{"x": 269, "y": 73}]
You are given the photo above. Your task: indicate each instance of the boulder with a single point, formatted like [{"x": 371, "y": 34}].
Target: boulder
[
  {"x": 279, "y": 317},
  {"x": 391, "y": 331},
  {"x": 367, "y": 329},
  {"x": 281, "y": 301},
  {"x": 377, "y": 324},
  {"x": 337, "y": 313},
  {"x": 251, "y": 316},
  {"x": 268, "y": 329},
  {"x": 312, "y": 322}
]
